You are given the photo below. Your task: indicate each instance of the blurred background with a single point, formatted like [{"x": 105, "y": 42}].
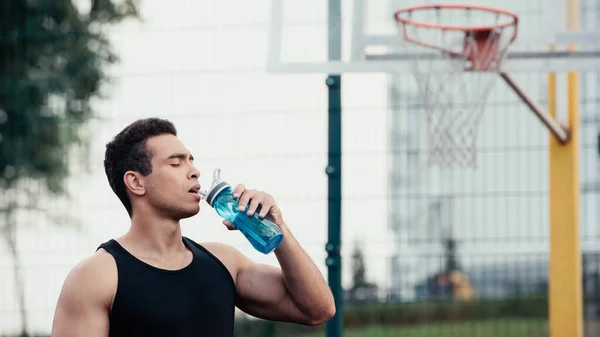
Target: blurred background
[{"x": 418, "y": 260}]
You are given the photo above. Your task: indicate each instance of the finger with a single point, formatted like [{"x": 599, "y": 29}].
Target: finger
[
  {"x": 229, "y": 225},
  {"x": 245, "y": 199},
  {"x": 267, "y": 204},
  {"x": 239, "y": 189},
  {"x": 255, "y": 202}
]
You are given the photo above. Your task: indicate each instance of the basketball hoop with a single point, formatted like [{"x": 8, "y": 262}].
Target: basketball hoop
[{"x": 471, "y": 50}]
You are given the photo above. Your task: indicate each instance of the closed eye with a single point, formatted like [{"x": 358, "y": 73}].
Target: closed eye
[{"x": 175, "y": 165}]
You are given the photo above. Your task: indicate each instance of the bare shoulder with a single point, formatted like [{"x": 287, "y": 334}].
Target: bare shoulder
[
  {"x": 86, "y": 298},
  {"x": 94, "y": 279},
  {"x": 232, "y": 258}
]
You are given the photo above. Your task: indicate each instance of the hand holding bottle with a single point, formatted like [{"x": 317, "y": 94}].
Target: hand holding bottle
[
  {"x": 254, "y": 213},
  {"x": 254, "y": 201}
]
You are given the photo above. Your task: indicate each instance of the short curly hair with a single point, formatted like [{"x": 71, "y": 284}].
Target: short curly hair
[{"x": 128, "y": 152}]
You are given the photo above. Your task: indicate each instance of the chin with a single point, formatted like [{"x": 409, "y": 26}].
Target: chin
[{"x": 188, "y": 213}]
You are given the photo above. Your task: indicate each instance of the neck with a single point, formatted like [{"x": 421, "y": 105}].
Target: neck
[{"x": 154, "y": 235}]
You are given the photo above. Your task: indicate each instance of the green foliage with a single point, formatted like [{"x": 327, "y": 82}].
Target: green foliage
[
  {"x": 53, "y": 58},
  {"x": 428, "y": 312},
  {"x": 390, "y": 318},
  {"x": 52, "y": 64},
  {"x": 512, "y": 327}
]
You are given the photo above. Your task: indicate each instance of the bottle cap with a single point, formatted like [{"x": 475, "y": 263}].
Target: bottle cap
[
  {"x": 216, "y": 187},
  {"x": 214, "y": 192}
]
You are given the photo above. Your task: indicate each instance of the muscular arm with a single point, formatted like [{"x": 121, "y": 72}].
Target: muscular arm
[
  {"x": 84, "y": 301},
  {"x": 296, "y": 292}
]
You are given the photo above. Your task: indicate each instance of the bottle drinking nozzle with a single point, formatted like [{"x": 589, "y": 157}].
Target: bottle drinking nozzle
[{"x": 216, "y": 180}]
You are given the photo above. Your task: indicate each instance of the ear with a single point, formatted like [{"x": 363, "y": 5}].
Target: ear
[{"x": 134, "y": 182}]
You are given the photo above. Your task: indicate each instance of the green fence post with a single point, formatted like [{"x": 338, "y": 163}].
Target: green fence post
[{"x": 334, "y": 327}]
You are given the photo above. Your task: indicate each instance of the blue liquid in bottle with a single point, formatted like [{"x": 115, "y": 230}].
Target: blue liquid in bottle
[{"x": 264, "y": 235}]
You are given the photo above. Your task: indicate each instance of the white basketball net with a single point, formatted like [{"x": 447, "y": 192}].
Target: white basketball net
[{"x": 453, "y": 100}]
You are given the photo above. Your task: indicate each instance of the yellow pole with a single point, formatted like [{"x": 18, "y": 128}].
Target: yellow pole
[{"x": 565, "y": 288}]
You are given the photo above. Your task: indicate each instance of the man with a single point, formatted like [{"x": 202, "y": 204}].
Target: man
[{"x": 152, "y": 281}]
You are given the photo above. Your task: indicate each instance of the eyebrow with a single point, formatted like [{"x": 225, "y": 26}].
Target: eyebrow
[{"x": 180, "y": 156}]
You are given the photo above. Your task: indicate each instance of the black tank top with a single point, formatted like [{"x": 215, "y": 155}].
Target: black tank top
[{"x": 198, "y": 300}]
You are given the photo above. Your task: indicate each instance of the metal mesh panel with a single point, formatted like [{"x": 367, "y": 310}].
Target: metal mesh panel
[{"x": 424, "y": 236}]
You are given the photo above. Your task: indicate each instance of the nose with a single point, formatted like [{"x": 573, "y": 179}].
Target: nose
[{"x": 194, "y": 173}]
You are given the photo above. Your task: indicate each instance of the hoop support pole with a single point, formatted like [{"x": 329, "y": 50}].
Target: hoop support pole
[
  {"x": 565, "y": 285},
  {"x": 561, "y": 133}
]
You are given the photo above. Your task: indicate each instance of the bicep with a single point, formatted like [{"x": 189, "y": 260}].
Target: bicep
[{"x": 261, "y": 292}]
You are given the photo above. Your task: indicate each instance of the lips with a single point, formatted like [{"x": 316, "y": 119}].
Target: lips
[
  {"x": 195, "y": 192},
  {"x": 195, "y": 189}
]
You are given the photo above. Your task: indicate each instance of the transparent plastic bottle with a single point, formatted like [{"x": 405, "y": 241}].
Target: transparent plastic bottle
[{"x": 264, "y": 235}]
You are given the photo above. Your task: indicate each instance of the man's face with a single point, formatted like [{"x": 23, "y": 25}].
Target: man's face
[{"x": 173, "y": 176}]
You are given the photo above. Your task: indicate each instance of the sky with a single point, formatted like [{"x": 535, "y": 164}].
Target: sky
[{"x": 202, "y": 65}]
